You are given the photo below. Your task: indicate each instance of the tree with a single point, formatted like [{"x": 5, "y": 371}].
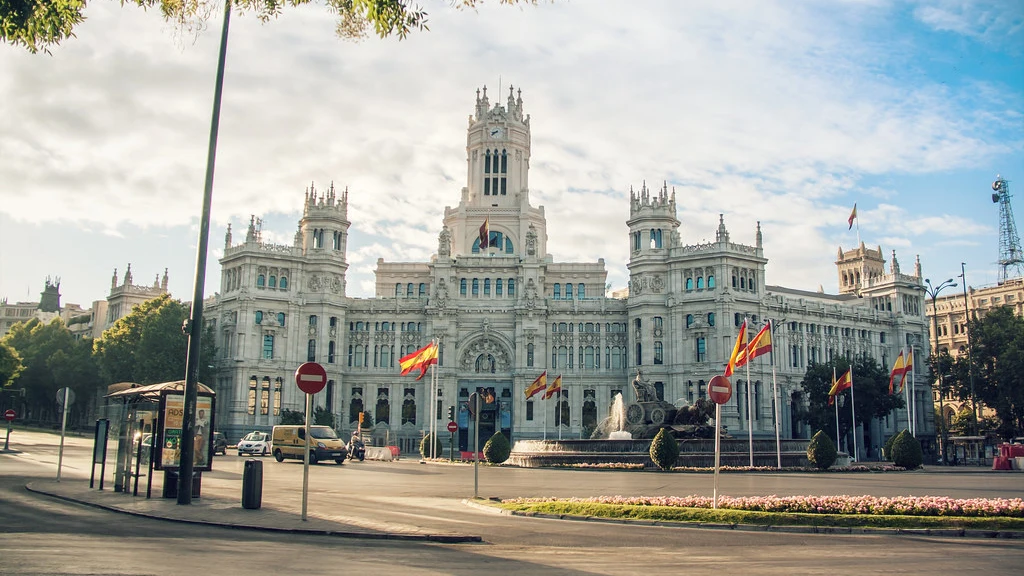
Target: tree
[
  {"x": 497, "y": 448},
  {"x": 10, "y": 365},
  {"x": 321, "y": 417},
  {"x": 997, "y": 349},
  {"x": 664, "y": 451},
  {"x": 870, "y": 392},
  {"x": 292, "y": 417},
  {"x": 906, "y": 451},
  {"x": 41, "y": 24},
  {"x": 52, "y": 359},
  {"x": 821, "y": 452},
  {"x": 148, "y": 346}
]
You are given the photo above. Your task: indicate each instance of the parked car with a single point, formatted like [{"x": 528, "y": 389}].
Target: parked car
[
  {"x": 220, "y": 443},
  {"x": 254, "y": 443}
]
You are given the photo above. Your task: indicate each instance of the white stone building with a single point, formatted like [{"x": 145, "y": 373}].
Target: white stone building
[{"x": 507, "y": 311}]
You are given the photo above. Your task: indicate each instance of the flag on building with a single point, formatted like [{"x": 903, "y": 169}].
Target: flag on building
[
  {"x": 738, "y": 357},
  {"x": 899, "y": 370},
  {"x": 539, "y": 384},
  {"x": 421, "y": 359},
  {"x": 845, "y": 382},
  {"x": 761, "y": 344},
  {"x": 853, "y": 216},
  {"x": 908, "y": 367},
  {"x": 485, "y": 234},
  {"x": 556, "y": 386}
]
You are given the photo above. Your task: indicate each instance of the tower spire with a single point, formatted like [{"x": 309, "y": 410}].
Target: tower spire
[{"x": 1011, "y": 259}]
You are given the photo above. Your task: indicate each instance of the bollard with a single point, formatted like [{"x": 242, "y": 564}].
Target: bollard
[{"x": 252, "y": 484}]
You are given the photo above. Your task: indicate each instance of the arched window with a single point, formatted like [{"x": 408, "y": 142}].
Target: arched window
[
  {"x": 511, "y": 287},
  {"x": 462, "y": 287},
  {"x": 711, "y": 318},
  {"x": 529, "y": 355},
  {"x": 261, "y": 281},
  {"x": 398, "y": 290},
  {"x": 689, "y": 283},
  {"x": 711, "y": 282},
  {"x": 487, "y": 286},
  {"x": 476, "y": 286},
  {"x": 280, "y": 318},
  {"x": 497, "y": 287},
  {"x": 283, "y": 285},
  {"x": 700, "y": 282},
  {"x": 311, "y": 351},
  {"x": 272, "y": 283},
  {"x": 259, "y": 317},
  {"x": 581, "y": 291},
  {"x": 568, "y": 291},
  {"x": 423, "y": 289},
  {"x": 409, "y": 290},
  {"x": 558, "y": 292}
]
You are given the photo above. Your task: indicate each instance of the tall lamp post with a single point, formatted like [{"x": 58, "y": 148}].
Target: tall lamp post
[
  {"x": 970, "y": 358},
  {"x": 933, "y": 292}
]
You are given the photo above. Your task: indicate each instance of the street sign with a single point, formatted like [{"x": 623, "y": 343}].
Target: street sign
[
  {"x": 720, "y": 390},
  {"x": 453, "y": 427},
  {"x": 311, "y": 377},
  {"x": 10, "y": 415},
  {"x": 60, "y": 396}
]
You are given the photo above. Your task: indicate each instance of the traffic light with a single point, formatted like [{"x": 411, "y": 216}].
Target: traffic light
[
  {"x": 361, "y": 419},
  {"x": 451, "y": 413}
]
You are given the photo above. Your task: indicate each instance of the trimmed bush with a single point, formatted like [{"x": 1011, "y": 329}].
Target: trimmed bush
[
  {"x": 497, "y": 448},
  {"x": 664, "y": 449},
  {"x": 425, "y": 446},
  {"x": 821, "y": 452},
  {"x": 887, "y": 447},
  {"x": 906, "y": 451}
]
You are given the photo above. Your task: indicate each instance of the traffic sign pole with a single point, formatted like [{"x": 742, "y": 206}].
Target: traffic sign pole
[
  {"x": 305, "y": 460},
  {"x": 718, "y": 440},
  {"x": 311, "y": 378},
  {"x": 63, "y": 426},
  {"x": 720, "y": 391},
  {"x": 9, "y": 415}
]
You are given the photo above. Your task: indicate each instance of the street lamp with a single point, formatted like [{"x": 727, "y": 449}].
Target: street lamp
[
  {"x": 933, "y": 292},
  {"x": 970, "y": 359}
]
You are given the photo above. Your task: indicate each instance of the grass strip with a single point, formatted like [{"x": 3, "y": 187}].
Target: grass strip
[{"x": 725, "y": 516}]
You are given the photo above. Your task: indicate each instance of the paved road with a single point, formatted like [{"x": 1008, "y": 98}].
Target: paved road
[{"x": 47, "y": 536}]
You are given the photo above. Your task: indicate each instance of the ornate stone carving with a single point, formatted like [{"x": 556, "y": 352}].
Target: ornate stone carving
[
  {"x": 531, "y": 294},
  {"x": 502, "y": 361},
  {"x": 444, "y": 242},
  {"x": 441, "y": 294},
  {"x": 325, "y": 283},
  {"x": 531, "y": 241}
]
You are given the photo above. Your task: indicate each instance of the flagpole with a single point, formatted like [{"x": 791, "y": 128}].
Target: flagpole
[
  {"x": 750, "y": 421},
  {"x": 775, "y": 396},
  {"x": 718, "y": 437},
  {"x": 835, "y": 403},
  {"x": 433, "y": 405},
  {"x": 853, "y": 415},
  {"x": 913, "y": 399},
  {"x": 906, "y": 397},
  {"x": 545, "y": 421}
]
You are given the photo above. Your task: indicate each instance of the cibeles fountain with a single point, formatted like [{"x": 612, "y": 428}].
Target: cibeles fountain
[{"x": 624, "y": 437}]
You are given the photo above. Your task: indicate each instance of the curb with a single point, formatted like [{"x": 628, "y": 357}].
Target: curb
[
  {"x": 938, "y": 532},
  {"x": 439, "y": 538}
]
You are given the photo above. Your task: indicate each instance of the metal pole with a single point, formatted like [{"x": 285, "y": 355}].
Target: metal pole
[
  {"x": 194, "y": 326},
  {"x": 718, "y": 438},
  {"x": 305, "y": 459},
  {"x": 913, "y": 395},
  {"x": 853, "y": 416},
  {"x": 63, "y": 425},
  {"x": 750, "y": 418},
  {"x": 835, "y": 402},
  {"x": 906, "y": 398},
  {"x": 7, "y": 439},
  {"x": 970, "y": 358},
  {"x": 775, "y": 397},
  {"x": 476, "y": 447}
]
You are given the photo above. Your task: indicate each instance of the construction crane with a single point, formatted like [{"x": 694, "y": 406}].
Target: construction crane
[{"x": 1011, "y": 258}]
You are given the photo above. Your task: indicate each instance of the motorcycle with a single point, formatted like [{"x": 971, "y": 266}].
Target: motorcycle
[{"x": 356, "y": 449}]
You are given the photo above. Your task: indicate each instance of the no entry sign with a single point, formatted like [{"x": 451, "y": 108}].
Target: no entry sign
[
  {"x": 452, "y": 427},
  {"x": 311, "y": 377},
  {"x": 10, "y": 415},
  {"x": 720, "y": 390}
]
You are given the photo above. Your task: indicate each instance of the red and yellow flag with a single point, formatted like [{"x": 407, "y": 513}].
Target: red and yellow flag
[
  {"x": 899, "y": 370},
  {"x": 556, "y": 386},
  {"x": 485, "y": 234},
  {"x": 539, "y": 384},
  {"x": 845, "y": 382},
  {"x": 908, "y": 367},
  {"x": 853, "y": 216},
  {"x": 738, "y": 357},
  {"x": 421, "y": 359},
  {"x": 761, "y": 344}
]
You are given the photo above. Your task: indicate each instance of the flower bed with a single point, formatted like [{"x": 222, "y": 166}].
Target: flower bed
[
  {"x": 628, "y": 466},
  {"x": 867, "y": 505}
]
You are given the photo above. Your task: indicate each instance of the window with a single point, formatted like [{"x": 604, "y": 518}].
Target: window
[
  {"x": 658, "y": 322},
  {"x": 462, "y": 287},
  {"x": 702, "y": 350},
  {"x": 280, "y": 318},
  {"x": 737, "y": 319},
  {"x": 330, "y": 352},
  {"x": 277, "y": 395},
  {"x": 312, "y": 321},
  {"x": 658, "y": 358},
  {"x": 529, "y": 410},
  {"x": 689, "y": 320},
  {"x": 476, "y": 286},
  {"x": 268, "y": 346},
  {"x": 272, "y": 283},
  {"x": 581, "y": 291},
  {"x": 398, "y": 290},
  {"x": 700, "y": 282},
  {"x": 487, "y": 286},
  {"x": 423, "y": 289},
  {"x": 385, "y": 356},
  {"x": 639, "y": 354},
  {"x": 711, "y": 318},
  {"x": 311, "y": 351},
  {"x": 529, "y": 355},
  {"x": 252, "y": 395},
  {"x": 511, "y": 287},
  {"x": 568, "y": 291},
  {"x": 408, "y": 290},
  {"x": 711, "y": 282},
  {"x": 261, "y": 281},
  {"x": 497, "y": 287},
  {"x": 283, "y": 284},
  {"x": 558, "y": 292},
  {"x": 259, "y": 317},
  {"x": 689, "y": 283},
  {"x": 265, "y": 396}
]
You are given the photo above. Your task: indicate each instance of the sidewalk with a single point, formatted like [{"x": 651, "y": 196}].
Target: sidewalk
[{"x": 218, "y": 510}]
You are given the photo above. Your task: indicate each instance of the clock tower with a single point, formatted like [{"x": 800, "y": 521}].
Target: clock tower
[{"x": 497, "y": 181}]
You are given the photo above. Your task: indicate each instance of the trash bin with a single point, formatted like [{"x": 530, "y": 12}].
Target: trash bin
[
  {"x": 170, "y": 489},
  {"x": 252, "y": 484}
]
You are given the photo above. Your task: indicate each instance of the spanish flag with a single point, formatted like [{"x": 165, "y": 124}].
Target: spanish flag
[
  {"x": 739, "y": 351},
  {"x": 899, "y": 369},
  {"x": 907, "y": 368},
  {"x": 421, "y": 359},
  {"x": 853, "y": 216},
  {"x": 485, "y": 234},
  {"x": 761, "y": 344},
  {"x": 845, "y": 382},
  {"x": 555, "y": 387},
  {"x": 539, "y": 384}
]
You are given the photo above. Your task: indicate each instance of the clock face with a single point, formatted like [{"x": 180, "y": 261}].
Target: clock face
[{"x": 496, "y": 132}]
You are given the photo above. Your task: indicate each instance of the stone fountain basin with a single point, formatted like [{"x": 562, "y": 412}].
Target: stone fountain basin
[{"x": 692, "y": 452}]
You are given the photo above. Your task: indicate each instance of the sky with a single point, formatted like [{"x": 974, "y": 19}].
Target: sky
[{"x": 781, "y": 112}]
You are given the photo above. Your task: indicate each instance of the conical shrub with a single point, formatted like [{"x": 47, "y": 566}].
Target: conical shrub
[
  {"x": 425, "y": 446},
  {"x": 664, "y": 449},
  {"x": 821, "y": 452},
  {"x": 497, "y": 448},
  {"x": 906, "y": 451}
]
